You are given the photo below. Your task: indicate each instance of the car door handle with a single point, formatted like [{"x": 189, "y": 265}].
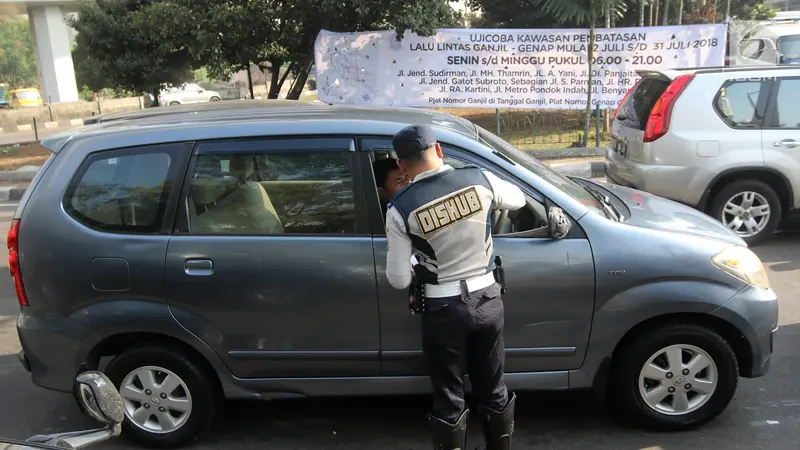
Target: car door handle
[
  {"x": 791, "y": 143},
  {"x": 198, "y": 267}
]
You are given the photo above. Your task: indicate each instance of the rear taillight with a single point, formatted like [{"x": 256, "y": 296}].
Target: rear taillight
[
  {"x": 625, "y": 97},
  {"x": 12, "y": 241},
  {"x": 660, "y": 115}
]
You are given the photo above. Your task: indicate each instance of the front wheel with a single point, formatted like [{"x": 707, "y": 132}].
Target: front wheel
[
  {"x": 214, "y": 99},
  {"x": 168, "y": 398},
  {"x": 675, "y": 377}
]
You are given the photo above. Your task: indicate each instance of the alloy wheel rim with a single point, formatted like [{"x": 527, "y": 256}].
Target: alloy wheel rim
[
  {"x": 746, "y": 213},
  {"x": 678, "y": 380},
  {"x": 156, "y": 400}
]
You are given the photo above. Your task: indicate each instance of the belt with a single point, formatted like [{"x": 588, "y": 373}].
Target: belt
[{"x": 453, "y": 289}]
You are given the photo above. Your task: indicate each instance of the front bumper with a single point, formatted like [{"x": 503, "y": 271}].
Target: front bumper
[{"x": 755, "y": 313}]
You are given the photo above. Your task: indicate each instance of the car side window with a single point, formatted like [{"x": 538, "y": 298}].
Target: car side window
[
  {"x": 737, "y": 103},
  {"x": 124, "y": 190},
  {"x": 272, "y": 193},
  {"x": 787, "y": 108}
]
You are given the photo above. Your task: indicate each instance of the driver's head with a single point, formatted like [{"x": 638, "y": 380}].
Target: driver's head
[
  {"x": 388, "y": 176},
  {"x": 417, "y": 150}
]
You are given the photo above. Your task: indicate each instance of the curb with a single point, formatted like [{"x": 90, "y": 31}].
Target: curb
[
  {"x": 13, "y": 194},
  {"x": 18, "y": 175},
  {"x": 574, "y": 152}
]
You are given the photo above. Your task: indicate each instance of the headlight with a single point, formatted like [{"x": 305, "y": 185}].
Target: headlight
[{"x": 742, "y": 263}]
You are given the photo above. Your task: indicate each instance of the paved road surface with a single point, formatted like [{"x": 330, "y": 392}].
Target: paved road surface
[{"x": 765, "y": 413}]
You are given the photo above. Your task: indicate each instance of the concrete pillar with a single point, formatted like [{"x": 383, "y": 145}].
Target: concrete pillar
[{"x": 53, "y": 55}]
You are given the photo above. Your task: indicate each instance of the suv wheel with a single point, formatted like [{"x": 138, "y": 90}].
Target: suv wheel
[
  {"x": 750, "y": 208},
  {"x": 168, "y": 398},
  {"x": 676, "y": 377}
]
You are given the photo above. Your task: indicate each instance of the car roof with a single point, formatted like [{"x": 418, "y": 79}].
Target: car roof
[{"x": 252, "y": 120}]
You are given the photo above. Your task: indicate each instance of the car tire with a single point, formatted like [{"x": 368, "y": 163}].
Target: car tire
[
  {"x": 214, "y": 99},
  {"x": 196, "y": 386},
  {"x": 760, "y": 193},
  {"x": 630, "y": 382},
  {"x": 174, "y": 103}
]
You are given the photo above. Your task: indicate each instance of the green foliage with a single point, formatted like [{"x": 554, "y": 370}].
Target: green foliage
[
  {"x": 757, "y": 11},
  {"x": 136, "y": 45},
  {"x": 582, "y": 12},
  {"x": 17, "y": 57}
]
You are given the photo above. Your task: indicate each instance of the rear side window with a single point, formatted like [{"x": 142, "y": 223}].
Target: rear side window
[
  {"x": 124, "y": 190},
  {"x": 636, "y": 109},
  {"x": 737, "y": 103}
]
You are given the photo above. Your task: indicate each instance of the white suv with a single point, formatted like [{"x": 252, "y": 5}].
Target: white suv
[{"x": 724, "y": 140}]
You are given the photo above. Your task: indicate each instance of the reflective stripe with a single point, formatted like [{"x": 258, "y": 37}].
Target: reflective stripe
[{"x": 453, "y": 289}]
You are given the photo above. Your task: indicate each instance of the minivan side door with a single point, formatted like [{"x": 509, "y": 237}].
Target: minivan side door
[
  {"x": 781, "y": 132},
  {"x": 550, "y": 298},
  {"x": 271, "y": 262}
]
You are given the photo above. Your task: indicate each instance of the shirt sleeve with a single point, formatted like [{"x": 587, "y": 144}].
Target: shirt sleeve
[
  {"x": 506, "y": 195},
  {"x": 398, "y": 257}
]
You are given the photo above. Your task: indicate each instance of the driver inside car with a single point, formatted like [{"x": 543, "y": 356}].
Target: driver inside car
[{"x": 389, "y": 179}]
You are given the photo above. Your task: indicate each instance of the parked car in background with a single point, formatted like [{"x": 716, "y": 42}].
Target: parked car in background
[
  {"x": 187, "y": 93},
  {"x": 723, "y": 140},
  {"x": 4, "y": 102},
  {"x": 25, "y": 98},
  {"x": 241, "y": 253},
  {"x": 771, "y": 42}
]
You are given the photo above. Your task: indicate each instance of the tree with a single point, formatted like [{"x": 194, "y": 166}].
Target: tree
[
  {"x": 584, "y": 12},
  {"x": 512, "y": 14},
  {"x": 140, "y": 45},
  {"x": 17, "y": 57}
]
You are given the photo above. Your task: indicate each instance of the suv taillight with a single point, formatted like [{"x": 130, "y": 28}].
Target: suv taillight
[
  {"x": 625, "y": 97},
  {"x": 660, "y": 115},
  {"x": 12, "y": 241}
]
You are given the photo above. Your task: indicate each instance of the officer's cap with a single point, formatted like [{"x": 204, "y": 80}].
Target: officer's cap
[{"x": 413, "y": 140}]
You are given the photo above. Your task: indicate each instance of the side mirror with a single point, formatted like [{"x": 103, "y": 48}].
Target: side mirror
[
  {"x": 99, "y": 398},
  {"x": 559, "y": 223}
]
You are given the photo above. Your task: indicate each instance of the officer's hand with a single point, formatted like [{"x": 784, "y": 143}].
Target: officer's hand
[{"x": 411, "y": 300}]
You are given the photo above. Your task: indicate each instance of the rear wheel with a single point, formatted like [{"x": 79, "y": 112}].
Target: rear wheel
[
  {"x": 214, "y": 99},
  {"x": 750, "y": 208},
  {"x": 675, "y": 377},
  {"x": 168, "y": 398},
  {"x": 174, "y": 103}
]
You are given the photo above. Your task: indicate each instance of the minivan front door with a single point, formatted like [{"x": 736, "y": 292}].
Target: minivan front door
[
  {"x": 271, "y": 263},
  {"x": 548, "y": 307}
]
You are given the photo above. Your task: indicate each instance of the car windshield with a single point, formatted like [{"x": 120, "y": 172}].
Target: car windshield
[
  {"x": 789, "y": 46},
  {"x": 572, "y": 188}
]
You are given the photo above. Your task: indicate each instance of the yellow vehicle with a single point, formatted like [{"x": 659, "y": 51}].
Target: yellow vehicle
[{"x": 25, "y": 98}]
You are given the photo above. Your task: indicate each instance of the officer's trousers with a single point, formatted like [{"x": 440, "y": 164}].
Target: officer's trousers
[{"x": 465, "y": 332}]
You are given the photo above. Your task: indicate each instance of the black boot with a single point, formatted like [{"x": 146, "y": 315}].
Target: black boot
[
  {"x": 446, "y": 436},
  {"x": 498, "y": 426}
]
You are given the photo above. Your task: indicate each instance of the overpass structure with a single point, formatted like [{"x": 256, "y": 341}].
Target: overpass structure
[{"x": 52, "y": 41}]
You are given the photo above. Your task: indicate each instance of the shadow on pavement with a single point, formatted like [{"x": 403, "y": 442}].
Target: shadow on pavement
[{"x": 780, "y": 249}]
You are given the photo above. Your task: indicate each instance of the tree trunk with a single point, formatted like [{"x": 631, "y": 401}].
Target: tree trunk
[
  {"x": 641, "y": 13},
  {"x": 250, "y": 82},
  {"x": 650, "y": 19},
  {"x": 588, "y": 115},
  {"x": 607, "y": 11},
  {"x": 275, "y": 77},
  {"x": 655, "y": 20},
  {"x": 665, "y": 20},
  {"x": 300, "y": 81},
  {"x": 728, "y": 10},
  {"x": 680, "y": 12},
  {"x": 283, "y": 78}
]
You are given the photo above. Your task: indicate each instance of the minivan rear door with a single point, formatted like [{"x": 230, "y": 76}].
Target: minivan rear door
[
  {"x": 627, "y": 132},
  {"x": 271, "y": 262},
  {"x": 780, "y": 135}
]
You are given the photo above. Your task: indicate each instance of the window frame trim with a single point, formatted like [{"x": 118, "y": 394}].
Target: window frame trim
[
  {"x": 179, "y": 153},
  {"x": 240, "y": 145},
  {"x": 772, "y": 105},
  {"x": 764, "y": 94},
  {"x": 376, "y": 216}
]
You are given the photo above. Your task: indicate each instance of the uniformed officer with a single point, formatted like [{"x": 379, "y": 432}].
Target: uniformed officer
[{"x": 443, "y": 218}]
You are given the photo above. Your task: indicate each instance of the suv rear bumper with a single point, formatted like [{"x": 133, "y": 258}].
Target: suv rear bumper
[
  {"x": 50, "y": 351},
  {"x": 682, "y": 184}
]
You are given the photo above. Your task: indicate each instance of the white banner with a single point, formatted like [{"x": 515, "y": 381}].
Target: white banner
[{"x": 486, "y": 68}]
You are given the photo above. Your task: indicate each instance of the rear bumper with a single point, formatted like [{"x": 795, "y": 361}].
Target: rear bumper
[
  {"x": 51, "y": 351},
  {"x": 755, "y": 313},
  {"x": 682, "y": 184}
]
